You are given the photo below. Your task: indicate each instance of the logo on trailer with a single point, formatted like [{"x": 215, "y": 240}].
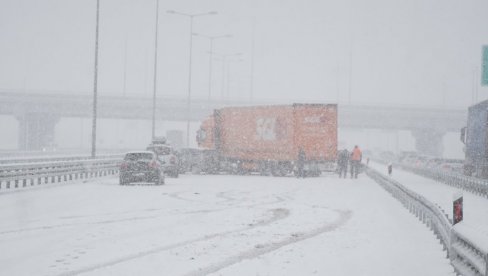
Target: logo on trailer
[{"x": 265, "y": 129}]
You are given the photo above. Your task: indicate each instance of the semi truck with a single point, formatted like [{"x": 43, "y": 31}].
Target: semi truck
[
  {"x": 268, "y": 139},
  {"x": 475, "y": 138}
]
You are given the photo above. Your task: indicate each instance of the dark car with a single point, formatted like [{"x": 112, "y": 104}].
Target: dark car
[{"x": 141, "y": 166}]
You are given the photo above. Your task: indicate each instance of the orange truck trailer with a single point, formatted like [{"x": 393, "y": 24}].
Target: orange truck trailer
[{"x": 267, "y": 139}]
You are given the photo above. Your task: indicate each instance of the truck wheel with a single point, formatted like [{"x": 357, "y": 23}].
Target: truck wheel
[{"x": 159, "y": 179}]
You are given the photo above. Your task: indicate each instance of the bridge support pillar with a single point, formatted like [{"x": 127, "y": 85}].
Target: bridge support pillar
[
  {"x": 36, "y": 130},
  {"x": 429, "y": 141}
]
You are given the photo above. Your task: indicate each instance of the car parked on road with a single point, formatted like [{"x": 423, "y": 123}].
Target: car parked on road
[
  {"x": 167, "y": 156},
  {"x": 141, "y": 166}
]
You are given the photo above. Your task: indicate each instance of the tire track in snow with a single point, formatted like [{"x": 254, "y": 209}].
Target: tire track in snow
[
  {"x": 262, "y": 249},
  {"x": 227, "y": 202},
  {"x": 65, "y": 225},
  {"x": 277, "y": 214},
  {"x": 277, "y": 199},
  {"x": 234, "y": 202}
]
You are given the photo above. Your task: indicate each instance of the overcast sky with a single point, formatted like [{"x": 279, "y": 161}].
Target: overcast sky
[{"x": 379, "y": 51}]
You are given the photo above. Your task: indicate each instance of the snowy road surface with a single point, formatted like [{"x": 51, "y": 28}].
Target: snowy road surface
[{"x": 215, "y": 225}]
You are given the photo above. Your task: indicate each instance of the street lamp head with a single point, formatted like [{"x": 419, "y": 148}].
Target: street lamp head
[
  {"x": 213, "y": 12},
  {"x": 171, "y": 11}
]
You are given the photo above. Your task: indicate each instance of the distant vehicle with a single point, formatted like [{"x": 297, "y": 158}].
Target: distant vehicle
[
  {"x": 475, "y": 137},
  {"x": 166, "y": 155},
  {"x": 267, "y": 139},
  {"x": 141, "y": 166},
  {"x": 404, "y": 156},
  {"x": 50, "y": 147},
  {"x": 159, "y": 141},
  {"x": 198, "y": 160},
  {"x": 451, "y": 165},
  {"x": 189, "y": 159},
  {"x": 434, "y": 163}
]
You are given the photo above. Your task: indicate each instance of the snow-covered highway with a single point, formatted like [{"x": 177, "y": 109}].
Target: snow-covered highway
[{"x": 215, "y": 225}]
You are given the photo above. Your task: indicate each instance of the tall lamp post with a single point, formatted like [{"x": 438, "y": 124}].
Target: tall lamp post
[
  {"x": 229, "y": 61},
  {"x": 224, "y": 61},
  {"x": 211, "y": 38},
  {"x": 94, "y": 118},
  {"x": 153, "y": 129},
  {"x": 190, "y": 16}
]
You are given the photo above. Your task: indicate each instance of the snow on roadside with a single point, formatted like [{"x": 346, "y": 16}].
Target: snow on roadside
[{"x": 475, "y": 208}]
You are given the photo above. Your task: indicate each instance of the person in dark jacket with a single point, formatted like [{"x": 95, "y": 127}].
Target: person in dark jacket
[
  {"x": 301, "y": 163},
  {"x": 342, "y": 161}
]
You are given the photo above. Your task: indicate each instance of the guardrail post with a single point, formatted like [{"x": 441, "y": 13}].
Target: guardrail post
[{"x": 486, "y": 264}]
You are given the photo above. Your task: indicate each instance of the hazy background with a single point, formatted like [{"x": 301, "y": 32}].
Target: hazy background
[{"x": 388, "y": 52}]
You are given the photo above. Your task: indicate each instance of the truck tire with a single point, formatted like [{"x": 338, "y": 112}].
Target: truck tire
[{"x": 159, "y": 179}]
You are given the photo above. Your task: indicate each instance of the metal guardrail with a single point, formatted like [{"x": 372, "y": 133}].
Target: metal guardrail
[
  {"x": 467, "y": 183},
  {"x": 467, "y": 249},
  {"x": 49, "y": 158},
  {"x": 17, "y": 175}
]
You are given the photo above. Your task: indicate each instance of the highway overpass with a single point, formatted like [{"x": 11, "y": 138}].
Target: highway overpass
[{"x": 38, "y": 114}]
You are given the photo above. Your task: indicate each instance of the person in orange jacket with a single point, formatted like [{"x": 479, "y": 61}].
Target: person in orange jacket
[{"x": 356, "y": 157}]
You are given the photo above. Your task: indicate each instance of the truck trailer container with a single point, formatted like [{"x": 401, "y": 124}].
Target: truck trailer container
[
  {"x": 267, "y": 139},
  {"x": 475, "y": 137}
]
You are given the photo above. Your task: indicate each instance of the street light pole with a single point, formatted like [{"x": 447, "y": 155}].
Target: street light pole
[
  {"x": 153, "y": 129},
  {"x": 188, "y": 101},
  {"x": 224, "y": 61},
  {"x": 210, "y": 70},
  {"x": 94, "y": 118},
  {"x": 228, "y": 76},
  {"x": 251, "y": 90},
  {"x": 211, "y": 39},
  {"x": 125, "y": 62}
]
